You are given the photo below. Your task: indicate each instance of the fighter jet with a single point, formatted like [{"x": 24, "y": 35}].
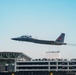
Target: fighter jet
[{"x": 58, "y": 41}]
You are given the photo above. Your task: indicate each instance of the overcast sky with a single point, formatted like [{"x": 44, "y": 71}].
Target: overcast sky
[{"x": 44, "y": 19}]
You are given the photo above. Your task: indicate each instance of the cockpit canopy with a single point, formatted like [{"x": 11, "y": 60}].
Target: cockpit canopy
[{"x": 26, "y": 36}]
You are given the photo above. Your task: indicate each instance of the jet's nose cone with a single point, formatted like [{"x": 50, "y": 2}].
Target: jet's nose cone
[{"x": 13, "y": 38}]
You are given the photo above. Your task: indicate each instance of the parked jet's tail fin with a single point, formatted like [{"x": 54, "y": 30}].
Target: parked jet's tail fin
[{"x": 61, "y": 38}]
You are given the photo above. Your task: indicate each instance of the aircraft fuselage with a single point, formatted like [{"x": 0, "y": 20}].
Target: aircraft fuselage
[
  {"x": 58, "y": 41},
  {"x": 37, "y": 41}
]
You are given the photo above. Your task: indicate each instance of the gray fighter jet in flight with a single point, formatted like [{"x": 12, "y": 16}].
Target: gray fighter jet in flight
[{"x": 58, "y": 41}]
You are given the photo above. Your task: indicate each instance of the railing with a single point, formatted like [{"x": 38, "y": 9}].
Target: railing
[{"x": 57, "y": 66}]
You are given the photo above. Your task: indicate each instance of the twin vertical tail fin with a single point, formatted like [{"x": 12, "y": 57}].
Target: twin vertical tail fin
[{"x": 60, "y": 39}]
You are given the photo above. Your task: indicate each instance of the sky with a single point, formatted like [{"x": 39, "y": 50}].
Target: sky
[{"x": 44, "y": 19}]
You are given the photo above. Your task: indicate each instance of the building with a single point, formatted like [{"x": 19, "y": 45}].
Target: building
[
  {"x": 53, "y": 54},
  {"x": 47, "y": 67},
  {"x": 8, "y": 59},
  {"x": 18, "y": 63}
]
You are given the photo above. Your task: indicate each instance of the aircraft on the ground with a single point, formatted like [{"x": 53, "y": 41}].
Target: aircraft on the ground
[{"x": 58, "y": 41}]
